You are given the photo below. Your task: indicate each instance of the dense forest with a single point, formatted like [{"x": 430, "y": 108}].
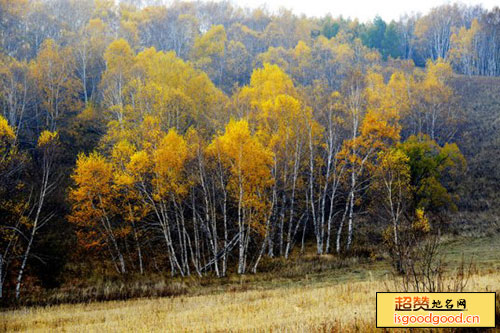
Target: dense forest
[{"x": 199, "y": 138}]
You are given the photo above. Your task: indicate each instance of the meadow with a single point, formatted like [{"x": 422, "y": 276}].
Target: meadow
[{"x": 325, "y": 298}]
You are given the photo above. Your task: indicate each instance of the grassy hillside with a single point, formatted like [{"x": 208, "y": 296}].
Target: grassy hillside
[{"x": 479, "y": 140}]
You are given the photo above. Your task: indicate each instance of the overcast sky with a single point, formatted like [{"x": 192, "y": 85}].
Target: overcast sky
[{"x": 362, "y": 9}]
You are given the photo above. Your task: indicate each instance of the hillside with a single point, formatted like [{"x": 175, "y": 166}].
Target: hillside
[
  {"x": 159, "y": 149},
  {"x": 479, "y": 141}
]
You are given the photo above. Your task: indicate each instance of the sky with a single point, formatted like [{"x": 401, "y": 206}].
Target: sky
[{"x": 364, "y": 10}]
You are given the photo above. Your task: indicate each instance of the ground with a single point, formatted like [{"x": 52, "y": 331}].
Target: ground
[{"x": 334, "y": 298}]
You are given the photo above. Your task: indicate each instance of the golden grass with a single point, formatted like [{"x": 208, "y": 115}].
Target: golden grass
[{"x": 340, "y": 307}]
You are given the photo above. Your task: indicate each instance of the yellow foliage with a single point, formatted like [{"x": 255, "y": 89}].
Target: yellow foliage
[
  {"x": 462, "y": 47},
  {"x": 211, "y": 44},
  {"x": 395, "y": 160},
  {"x": 119, "y": 57},
  {"x": 6, "y": 131},
  {"x": 123, "y": 179},
  {"x": 278, "y": 56},
  {"x": 92, "y": 175},
  {"x": 421, "y": 222},
  {"x": 438, "y": 72},
  {"x": 265, "y": 84},
  {"x": 155, "y": 85},
  {"x": 150, "y": 132},
  {"x": 387, "y": 100},
  {"x": 122, "y": 152},
  {"x": 302, "y": 52},
  {"x": 47, "y": 138},
  {"x": 139, "y": 165},
  {"x": 53, "y": 72},
  {"x": 249, "y": 163},
  {"x": 88, "y": 114},
  {"x": 167, "y": 70},
  {"x": 14, "y": 7},
  {"x": 93, "y": 193},
  {"x": 379, "y": 130},
  {"x": 169, "y": 160},
  {"x": 279, "y": 118}
]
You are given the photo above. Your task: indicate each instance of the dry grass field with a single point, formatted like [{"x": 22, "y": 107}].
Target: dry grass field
[
  {"x": 330, "y": 301},
  {"x": 341, "y": 307}
]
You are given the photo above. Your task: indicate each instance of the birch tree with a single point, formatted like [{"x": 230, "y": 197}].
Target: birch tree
[
  {"x": 94, "y": 209},
  {"x": 46, "y": 149},
  {"x": 249, "y": 163}
]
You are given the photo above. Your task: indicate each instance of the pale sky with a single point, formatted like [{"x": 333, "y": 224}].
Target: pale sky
[{"x": 362, "y": 9}]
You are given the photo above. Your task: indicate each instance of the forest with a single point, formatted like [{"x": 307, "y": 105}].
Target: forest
[{"x": 202, "y": 139}]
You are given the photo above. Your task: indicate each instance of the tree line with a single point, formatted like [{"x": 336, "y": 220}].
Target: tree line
[
  {"x": 467, "y": 36},
  {"x": 199, "y": 138}
]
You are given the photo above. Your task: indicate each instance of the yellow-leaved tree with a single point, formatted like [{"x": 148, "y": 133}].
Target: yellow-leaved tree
[
  {"x": 119, "y": 59},
  {"x": 392, "y": 185},
  {"x": 159, "y": 85},
  {"x": 16, "y": 90},
  {"x": 378, "y": 110},
  {"x": 249, "y": 164},
  {"x": 53, "y": 73},
  {"x": 463, "y": 48},
  {"x": 285, "y": 125},
  {"x": 265, "y": 84},
  {"x": 44, "y": 159},
  {"x": 433, "y": 110},
  {"x": 132, "y": 208},
  {"x": 95, "y": 207},
  {"x": 159, "y": 174},
  {"x": 13, "y": 203},
  {"x": 208, "y": 52}
]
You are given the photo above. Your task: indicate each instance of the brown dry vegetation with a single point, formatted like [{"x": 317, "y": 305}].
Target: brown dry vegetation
[{"x": 479, "y": 141}]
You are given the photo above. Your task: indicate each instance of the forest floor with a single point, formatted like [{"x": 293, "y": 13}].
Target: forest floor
[{"x": 312, "y": 294}]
